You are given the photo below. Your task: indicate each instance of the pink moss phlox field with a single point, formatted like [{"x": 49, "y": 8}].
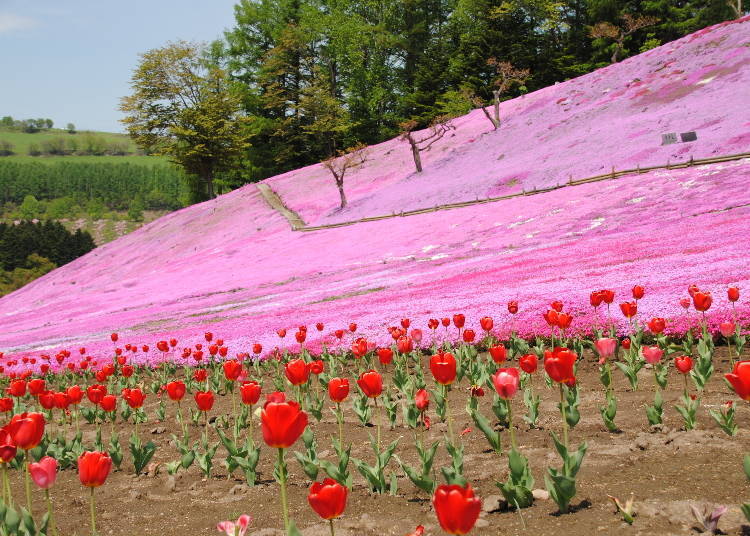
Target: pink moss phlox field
[
  {"x": 610, "y": 118},
  {"x": 233, "y": 266}
]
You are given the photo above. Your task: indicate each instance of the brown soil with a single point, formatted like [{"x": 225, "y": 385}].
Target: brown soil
[{"x": 666, "y": 470}]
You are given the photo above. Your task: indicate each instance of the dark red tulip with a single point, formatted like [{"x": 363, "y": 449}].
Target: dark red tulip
[
  {"x": 127, "y": 371},
  {"x": 297, "y": 372},
  {"x": 456, "y": 507},
  {"x": 352, "y": 327},
  {"x": 338, "y": 389},
  {"x": 94, "y": 468},
  {"x": 204, "y": 400},
  {"x": 200, "y": 375},
  {"x": 405, "y": 323},
  {"x": 371, "y": 383},
  {"x": 433, "y": 323},
  {"x": 608, "y": 296},
  {"x": 638, "y": 292},
  {"x": 469, "y": 335},
  {"x": 528, "y": 363},
  {"x": 512, "y": 307},
  {"x": 446, "y": 322},
  {"x": 557, "y": 305},
  {"x": 250, "y": 392},
  {"x": 327, "y": 499},
  {"x": 339, "y": 333},
  {"x": 8, "y": 447},
  {"x": 113, "y": 337},
  {"x": 625, "y": 344},
  {"x": 559, "y": 364},
  {"x": 443, "y": 368},
  {"x": 282, "y": 422}
]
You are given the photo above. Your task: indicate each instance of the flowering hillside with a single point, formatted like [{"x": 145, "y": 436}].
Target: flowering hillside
[
  {"x": 611, "y": 118},
  {"x": 234, "y": 265}
]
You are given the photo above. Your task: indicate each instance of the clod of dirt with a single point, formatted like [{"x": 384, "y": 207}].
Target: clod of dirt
[
  {"x": 491, "y": 503},
  {"x": 158, "y": 430},
  {"x": 540, "y": 494}
]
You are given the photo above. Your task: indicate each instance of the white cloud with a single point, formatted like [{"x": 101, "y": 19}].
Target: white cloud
[{"x": 10, "y": 22}]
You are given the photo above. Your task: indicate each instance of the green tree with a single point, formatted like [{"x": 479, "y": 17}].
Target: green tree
[
  {"x": 135, "y": 211},
  {"x": 71, "y": 128},
  {"x": 184, "y": 107},
  {"x": 30, "y": 208}
]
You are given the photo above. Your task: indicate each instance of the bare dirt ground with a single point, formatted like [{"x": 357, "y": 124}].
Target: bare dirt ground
[{"x": 666, "y": 470}]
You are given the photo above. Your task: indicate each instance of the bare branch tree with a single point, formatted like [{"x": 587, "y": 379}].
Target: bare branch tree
[
  {"x": 630, "y": 24},
  {"x": 338, "y": 165},
  {"x": 507, "y": 76},
  {"x": 736, "y": 6},
  {"x": 439, "y": 127}
]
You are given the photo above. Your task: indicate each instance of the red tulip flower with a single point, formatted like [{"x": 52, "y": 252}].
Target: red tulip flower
[
  {"x": 316, "y": 367},
  {"x": 6, "y": 404},
  {"x": 702, "y": 301},
  {"x": 550, "y": 317},
  {"x": 232, "y": 370},
  {"x": 528, "y": 363},
  {"x": 559, "y": 364},
  {"x": 328, "y": 499},
  {"x": 352, "y": 327},
  {"x": 385, "y": 355},
  {"x": 27, "y": 430},
  {"x": 300, "y": 336},
  {"x": 506, "y": 381},
  {"x": 652, "y": 354},
  {"x": 404, "y": 344},
  {"x": 657, "y": 325},
  {"x": 204, "y": 400},
  {"x": 608, "y": 296},
  {"x": 282, "y": 422},
  {"x": 446, "y": 322},
  {"x": 113, "y": 337},
  {"x": 371, "y": 383},
  {"x": 281, "y": 333},
  {"x": 469, "y": 335},
  {"x": 685, "y": 303},
  {"x": 422, "y": 400},
  {"x": 683, "y": 363},
  {"x": 250, "y": 393},
  {"x": 95, "y": 393},
  {"x": 638, "y": 292},
  {"x": 564, "y": 320},
  {"x": 433, "y": 323},
  {"x": 733, "y": 294},
  {"x": 443, "y": 368},
  {"x": 8, "y": 448},
  {"x": 175, "y": 390},
  {"x": 17, "y": 388},
  {"x": 134, "y": 398},
  {"x": 498, "y": 353},
  {"x": 47, "y": 399},
  {"x": 94, "y": 468},
  {"x": 487, "y": 323},
  {"x": 557, "y": 305},
  {"x": 108, "y": 403},
  {"x": 605, "y": 347},
  {"x": 296, "y": 372},
  {"x": 200, "y": 375},
  {"x": 405, "y": 323},
  {"x": 456, "y": 507},
  {"x": 459, "y": 320},
  {"x": 512, "y": 307},
  {"x": 740, "y": 379},
  {"x": 595, "y": 298},
  {"x": 338, "y": 389},
  {"x": 257, "y": 348},
  {"x": 44, "y": 472},
  {"x": 36, "y": 386},
  {"x": 629, "y": 309},
  {"x": 319, "y": 326}
]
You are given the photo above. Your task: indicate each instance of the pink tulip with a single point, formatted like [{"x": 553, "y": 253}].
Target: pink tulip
[
  {"x": 44, "y": 472},
  {"x": 726, "y": 328},
  {"x": 652, "y": 354},
  {"x": 507, "y": 381},
  {"x": 606, "y": 348},
  {"x": 232, "y": 528}
]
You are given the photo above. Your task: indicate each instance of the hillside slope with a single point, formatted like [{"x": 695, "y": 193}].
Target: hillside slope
[
  {"x": 233, "y": 266},
  {"x": 610, "y": 118}
]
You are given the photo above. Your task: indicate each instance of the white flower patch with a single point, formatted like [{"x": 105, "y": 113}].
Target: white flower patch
[
  {"x": 688, "y": 184},
  {"x": 554, "y": 211},
  {"x": 429, "y": 247},
  {"x": 596, "y": 222},
  {"x": 635, "y": 200},
  {"x": 517, "y": 223},
  {"x": 705, "y": 81},
  {"x": 474, "y": 244}
]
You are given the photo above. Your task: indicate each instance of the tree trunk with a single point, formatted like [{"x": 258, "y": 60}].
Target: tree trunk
[
  {"x": 208, "y": 178},
  {"x": 415, "y": 153},
  {"x": 342, "y": 195},
  {"x": 496, "y": 122}
]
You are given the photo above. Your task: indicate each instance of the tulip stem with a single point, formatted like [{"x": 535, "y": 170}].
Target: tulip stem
[
  {"x": 330, "y": 524},
  {"x": 28, "y": 482},
  {"x": 448, "y": 416},
  {"x": 510, "y": 427},
  {"x": 564, "y": 417},
  {"x": 377, "y": 422},
  {"x": 7, "y": 496},
  {"x": 340, "y": 420},
  {"x": 92, "y": 506},
  {"x": 50, "y": 515},
  {"x": 250, "y": 427},
  {"x": 234, "y": 415},
  {"x": 282, "y": 485}
]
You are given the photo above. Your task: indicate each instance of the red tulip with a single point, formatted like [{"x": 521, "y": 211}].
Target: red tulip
[
  {"x": 404, "y": 345},
  {"x": 319, "y": 326},
  {"x": 683, "y": 363},
  {"x": 405, "y": 323},
  {"x": 250, "y": 393},
  {"x": 657, "y": 325},
  {"x": 108, "y": 403},
  {"x": 629, "y": 309},
  {"x": 422, "y": 399},
  {"x": 281, "y": 333},
  {"x": 282, "y": 422},
  {"x": 740, "y": 379},
  {"x": 6, "y": 404},
  {"x": 339, "y": 333},
  {"x": 338, "y": 389},
  {"x": 8, "y": 448},
  {"x": 625, "y": 344},
  {"x": 204, "y": 400},
  {"x": 134, "y": 397},
  {"x": 44, "y": 472},
  {"x": 27, "y": 430},
  {"x": 528, "y": 363},
  {"x": 93, "y": 468},
  {"x": 200, "y": 375},
  {"x": 385, "y": 356},
  {"x": 47, "y": 399},
  {"x": 469, "y": 335},
  {"x": 727, "y": 329},
  {"x": 433, "y": 323},
  {"x": 559, "y": 364},
  {"x": 685, "y": 303},
  {"x": 692, "y": 289},
  {"x": 456, "y": 507},
  {"x": 459, "y": 320},
  {"x": 702, "y": 301},
  {"x": 327, "y": 499},
  {"x": 443, "y": 368},
  {"x": 17, "y": 388},
  {"x": 232, "y": 370},
  {"x": 300, "y": 336},
  {"x": 95, "y": 393},
  {"x": 608, "y": 296},
  {"x": 371, "y": 383},
  {"x": 595, "y": 298},
  {"x": 498, "y": 353},
  {"x": 36, "y": 386},
  {"x": 446, "y": 322},
  {"x": 487, "y": 323},
  {"x": 352, "y": 327},
  {"x": 257, "y": 348},
  {"x": 297, "y": 372},
  {"x": 506, "y": 381},
  {"x": 652, "y": 354},
  {"x": 550, "y": 317},
  {"x": 75, "y": 393},
  {"x": 512, "y": 307},
  {"x": 175, "y": 390},
  {"x": 62, "y": 400},
  {"x": 557, "y": 305},
  {"x": 733, "y": 294},
  {"x": 638, "y": 292},
  {"x": 564, "y": 320}
]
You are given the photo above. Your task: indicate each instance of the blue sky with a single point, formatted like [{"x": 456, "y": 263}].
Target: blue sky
[{"x": 71, "y": 60}]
